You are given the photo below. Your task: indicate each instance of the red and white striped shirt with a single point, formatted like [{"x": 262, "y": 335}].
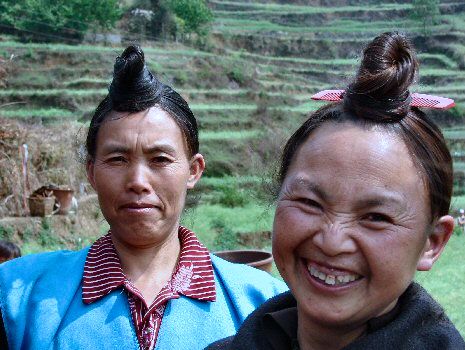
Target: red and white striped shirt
[{"x": 193, "y": 278}]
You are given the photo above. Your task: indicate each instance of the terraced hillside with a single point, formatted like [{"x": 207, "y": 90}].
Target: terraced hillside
[
  {"x": 253, "y": 84},
  {"x": 249, "y": 89}
]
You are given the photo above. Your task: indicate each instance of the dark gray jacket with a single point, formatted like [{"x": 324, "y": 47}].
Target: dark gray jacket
[{"x": 420, "y": 324}]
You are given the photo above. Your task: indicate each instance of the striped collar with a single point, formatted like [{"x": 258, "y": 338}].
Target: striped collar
[{"x": 193, "y": 276}]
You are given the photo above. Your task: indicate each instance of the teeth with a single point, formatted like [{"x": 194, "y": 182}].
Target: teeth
[{"x": 331, "y": 279}]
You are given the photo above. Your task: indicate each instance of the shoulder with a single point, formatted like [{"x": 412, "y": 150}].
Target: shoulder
[
  {"x": 421, "y": 325},
  {"x": 243, "y": 276},
  {"x": 31, "y": 267},
  {"x": 251, "y": 334},
  {"x": 436, "y": 330}
]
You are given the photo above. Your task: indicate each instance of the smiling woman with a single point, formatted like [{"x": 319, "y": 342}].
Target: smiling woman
[
  {"x": 364, "y": 192},
  {"x": 149, "y": 282}
]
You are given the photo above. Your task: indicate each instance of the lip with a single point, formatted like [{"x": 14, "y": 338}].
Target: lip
[
  {"x": 325, "y": 288},
  {"x": 139, "y": 207},
  {"x": 330, "y": 269}
]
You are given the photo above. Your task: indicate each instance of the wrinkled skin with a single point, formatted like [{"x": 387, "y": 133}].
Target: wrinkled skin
[{"x": 352, "y": 206}]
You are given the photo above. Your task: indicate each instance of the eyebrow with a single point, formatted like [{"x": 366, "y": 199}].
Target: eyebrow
[
  {"x": 373, "y": 200},
  {"x": 311, "y": 187},
  {"x": 118, "y": 148},
  {"x": 378, "y": 201}
]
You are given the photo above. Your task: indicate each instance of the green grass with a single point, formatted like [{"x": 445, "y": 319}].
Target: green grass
[
  {"x": 199, "y": 107},
  {"x": 446, "y": 61},
  {"x": 250, "y": 218},
  {"x": 309, "y": 61},
  {"x": 457, "y": 203},
  {"x": 342, "y": 26},
  {"x": 306, "y": 107},
  {"x": 37, "y": 113},
  {"x": 217, "y": 182},
  {"x": 54, "y": 92},
  {"x": 228, "y": 135},
  {"x": 260, "y": 8},
  {"x": 446, "y": 280},
  {"x": 114, "y": 51},
  {"x": 454, "y": 134}
]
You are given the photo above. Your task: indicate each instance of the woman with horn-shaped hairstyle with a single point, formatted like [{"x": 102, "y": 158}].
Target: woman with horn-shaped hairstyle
[
  {"x": 365, "y": 186},
  {"x": 148, "y": 283}
]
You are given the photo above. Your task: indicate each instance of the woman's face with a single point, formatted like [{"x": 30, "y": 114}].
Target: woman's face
[
  {"x": 351, "y": 224},
  {"x": 141, "y": 173}
]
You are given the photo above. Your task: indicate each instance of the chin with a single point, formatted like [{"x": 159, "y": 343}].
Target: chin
[{"x": 325, "y": 317}]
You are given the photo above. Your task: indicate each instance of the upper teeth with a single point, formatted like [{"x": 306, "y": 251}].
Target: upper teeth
[{"x": 331, "y": 279}]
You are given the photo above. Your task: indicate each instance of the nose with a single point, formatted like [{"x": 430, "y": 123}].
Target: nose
[
  {"x": 334, "y": 239},
  {"x": 138, "y": 179}
]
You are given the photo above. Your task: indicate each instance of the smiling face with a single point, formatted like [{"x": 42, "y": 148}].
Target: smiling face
[
  {"x": 141, "y": 173},
  {"x": 351, "y": 225}
]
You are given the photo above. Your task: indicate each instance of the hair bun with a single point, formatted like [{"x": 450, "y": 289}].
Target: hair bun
[
  {"x": 130, "y": 64},
  {"x": 133, "y": 84},
  {"x": 380, "y": 91}
]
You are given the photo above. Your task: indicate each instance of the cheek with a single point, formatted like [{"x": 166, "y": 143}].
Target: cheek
[
  {"x": 288, "y": 232},
  {"x": 393, "y": 259}
]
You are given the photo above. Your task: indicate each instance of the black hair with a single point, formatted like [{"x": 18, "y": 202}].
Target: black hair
[
  {"x": 9, "y": 250},
  {"x": 379, "y": 96},
  {"x": 134, "y": 89}
]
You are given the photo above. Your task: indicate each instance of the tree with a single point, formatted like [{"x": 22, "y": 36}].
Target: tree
[
  {"x": 426, "y": 12},
  {"x": 192, "y": 16},
  {"x": 57, "y": 20}
]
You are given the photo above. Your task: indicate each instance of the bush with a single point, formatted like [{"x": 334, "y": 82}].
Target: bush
[
  {"x": 232, "y": 197},
  {"x": 192, "y": 16},
  {"x": 61, "y": 20},
  {"x": 225, "y": 239},
  {"x": 6, "y": 233}
]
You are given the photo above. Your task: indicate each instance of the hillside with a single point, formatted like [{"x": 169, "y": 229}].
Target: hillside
[{"x": 249, "y": 87}]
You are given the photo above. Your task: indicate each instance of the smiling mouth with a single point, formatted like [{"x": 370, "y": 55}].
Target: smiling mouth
[{"x": 339, "y": 279}]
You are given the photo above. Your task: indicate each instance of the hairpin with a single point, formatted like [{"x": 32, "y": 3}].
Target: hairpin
[{"x": 418, "y": 100}]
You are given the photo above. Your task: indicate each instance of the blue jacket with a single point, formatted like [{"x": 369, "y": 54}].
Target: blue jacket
[{"x": 42, "y": 308}]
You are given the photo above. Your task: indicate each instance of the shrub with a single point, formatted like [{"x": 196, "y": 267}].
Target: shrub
[
  {"x": 225, "y": 239},
  {"x": 192, "y": 16},
  {"x": 62, "y": 20},
  {"x": 6, "y": 233},
  {"x": 232, "y": 197}
]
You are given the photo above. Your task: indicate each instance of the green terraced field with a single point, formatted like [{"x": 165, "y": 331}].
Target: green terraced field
[{"x": 250, "y": 87}]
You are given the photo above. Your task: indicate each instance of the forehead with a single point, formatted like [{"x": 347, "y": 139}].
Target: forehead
[
  {"x": 347, "y": 156},
  {"x": 146, "y": 127}
]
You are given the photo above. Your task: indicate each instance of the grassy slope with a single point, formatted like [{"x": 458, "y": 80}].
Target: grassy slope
[{"x": 224, "y": 111}]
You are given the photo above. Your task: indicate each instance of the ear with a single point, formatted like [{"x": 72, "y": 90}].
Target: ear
[
  {"x": 442, "y": 230},
  {"x": 90, "y": 172},
  {"x": 197, "y": 166}
]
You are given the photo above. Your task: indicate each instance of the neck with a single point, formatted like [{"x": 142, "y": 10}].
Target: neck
[
  {"x": 316, "y": 337},
  {"x": 149, "y": 267}
]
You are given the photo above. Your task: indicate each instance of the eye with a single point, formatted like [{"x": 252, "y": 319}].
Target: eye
[
  {"x": 161, "y": 160},
  {"x": 377, "y": 217},
  {"x": 376, "y": 221},
  {"x": 116, "y": 160},
  {"x": 310, "y": 203}
]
